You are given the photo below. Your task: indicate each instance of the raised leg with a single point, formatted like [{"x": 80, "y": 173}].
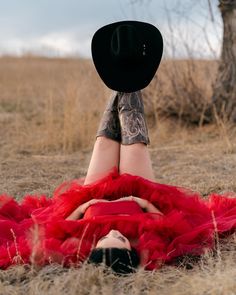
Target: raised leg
[
  {"x": 134, "y": 154},
  {"x": 105, "y": 156},
  {"x": 106, "y": 152}
]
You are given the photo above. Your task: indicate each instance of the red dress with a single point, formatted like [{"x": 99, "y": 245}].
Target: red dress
[
  {"x": 35, "y": 230},
  {"x": 121, "y": 208}
]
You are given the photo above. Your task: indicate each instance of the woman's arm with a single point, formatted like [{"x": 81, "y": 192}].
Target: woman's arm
[
  {"x": 79, "y": 211},
  {"x": 152, "y": 209},
  {"x": 144, "y": 204}
]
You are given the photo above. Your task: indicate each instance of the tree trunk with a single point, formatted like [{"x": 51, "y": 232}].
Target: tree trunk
[{"x": 224, "y": 91}]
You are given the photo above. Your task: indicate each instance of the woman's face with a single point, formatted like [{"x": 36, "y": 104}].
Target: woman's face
[{"x": 114, "y": 239}]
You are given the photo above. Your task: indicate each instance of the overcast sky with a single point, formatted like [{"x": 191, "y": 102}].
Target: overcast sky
[{"x": 65, "y": 27}]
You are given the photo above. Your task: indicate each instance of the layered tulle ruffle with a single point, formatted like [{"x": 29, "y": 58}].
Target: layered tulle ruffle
[{"x": 35, "y": 230}]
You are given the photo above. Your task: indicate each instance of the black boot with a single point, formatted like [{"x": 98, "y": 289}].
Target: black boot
[
  {"x": 110, "y": 125},
  {"x": 132, "y": 120}
]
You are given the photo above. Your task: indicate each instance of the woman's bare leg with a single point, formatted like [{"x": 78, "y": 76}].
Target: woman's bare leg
[
  {"x": 105, "y": 156},
  {"x": 106, "y": 151},
  {"x": 135, "y": 159}
]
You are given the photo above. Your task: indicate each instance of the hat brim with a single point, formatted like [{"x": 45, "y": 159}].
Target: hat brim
[{"x": 125, "y": 77}]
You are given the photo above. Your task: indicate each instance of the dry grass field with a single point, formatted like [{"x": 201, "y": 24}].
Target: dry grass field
[{"x": 49, "y": 111}]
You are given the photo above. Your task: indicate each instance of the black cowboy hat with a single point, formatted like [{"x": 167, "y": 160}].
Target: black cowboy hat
[{"x": 126, "y": 54}]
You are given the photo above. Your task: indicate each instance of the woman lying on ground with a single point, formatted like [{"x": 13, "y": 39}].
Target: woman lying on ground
[{"x": 121, "y": 142}]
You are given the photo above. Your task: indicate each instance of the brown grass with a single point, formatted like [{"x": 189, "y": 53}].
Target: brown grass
[
  {"x": 49, "y": 111},
  {"x": 211, "y": 275},
  {"x": 183, "y": 89}
]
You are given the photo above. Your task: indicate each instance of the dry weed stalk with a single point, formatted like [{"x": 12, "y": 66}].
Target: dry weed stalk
[
  {"x": 36, "y": 246},
  {"x": 78, "y": 254},
  {"x": 224, "y": 127},
  {"x": 217, "y": 240},
  {"x": 17, "y": 259}
]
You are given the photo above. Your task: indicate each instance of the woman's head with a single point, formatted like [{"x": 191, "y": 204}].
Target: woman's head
[{"x": 114, "y": 250}]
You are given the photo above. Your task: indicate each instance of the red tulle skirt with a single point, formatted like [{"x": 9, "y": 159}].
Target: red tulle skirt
[{"x": 35, "y": 230}]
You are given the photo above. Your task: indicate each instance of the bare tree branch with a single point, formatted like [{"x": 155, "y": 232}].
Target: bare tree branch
[{"x": 211, "y": 11}]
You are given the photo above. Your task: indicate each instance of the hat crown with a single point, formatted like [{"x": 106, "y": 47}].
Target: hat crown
[{"x": 125, "y": 44}]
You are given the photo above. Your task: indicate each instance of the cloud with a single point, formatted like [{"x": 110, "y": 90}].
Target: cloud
[
  {"x": 70, "y": 43},
  {"x": 182, "y": 43}
]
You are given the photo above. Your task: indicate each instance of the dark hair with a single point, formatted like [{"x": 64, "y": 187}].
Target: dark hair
[{"x": 121, "y": 261}]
